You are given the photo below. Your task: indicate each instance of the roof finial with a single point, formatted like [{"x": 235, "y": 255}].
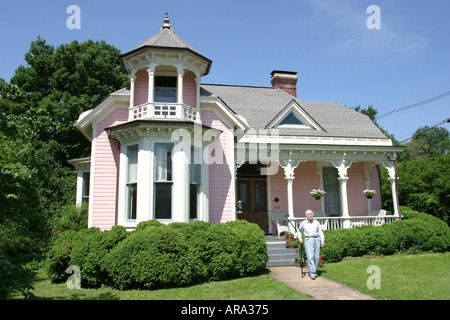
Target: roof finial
[{"x": 166, "y": 23}]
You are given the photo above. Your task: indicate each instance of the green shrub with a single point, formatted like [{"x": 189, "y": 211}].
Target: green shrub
[
  {"x": 58, "y": 258},
  {"x": 154, "y": 257},
  {"x": 73, "y": 217},
  {"x": 89, "y": 251},
  {"x": 149, "y": 223},
  {"x": 416, "y": 232}
]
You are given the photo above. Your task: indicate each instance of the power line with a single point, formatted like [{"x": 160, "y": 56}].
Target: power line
[
  {"x": 438, "y": 124},
  {"x": 440, "y": 96}
]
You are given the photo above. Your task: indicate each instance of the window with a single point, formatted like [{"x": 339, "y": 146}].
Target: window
[
  {"x": 85, "y": 191},
  {"x": 195, "y": 169},
  {"x": 163, "y": 180},
  {"x": 132, "y": 153},
  {"x": 291, "y": 120},
  {"x": 165, "y": 89}
]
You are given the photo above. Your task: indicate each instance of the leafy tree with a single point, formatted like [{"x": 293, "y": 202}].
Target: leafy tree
[
  {"x": 429, "y": 143},
  {"x": 424, "y": 185},
  {"x": 38, "y": 110},
  {"x": 67, "y": 81}
]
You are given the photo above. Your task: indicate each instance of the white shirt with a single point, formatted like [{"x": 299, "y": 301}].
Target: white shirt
[{"x": 311, "y": 229}]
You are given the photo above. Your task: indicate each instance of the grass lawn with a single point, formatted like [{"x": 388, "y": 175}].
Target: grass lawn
[
  {"x": 403, "y": 277},
  {"x": 261, "y": 287}
]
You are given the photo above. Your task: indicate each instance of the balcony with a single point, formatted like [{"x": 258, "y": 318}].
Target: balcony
[{"x": 164, "y": 111}]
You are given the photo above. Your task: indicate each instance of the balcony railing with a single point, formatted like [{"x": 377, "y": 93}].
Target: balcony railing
[{"x": 164, "y": 111}]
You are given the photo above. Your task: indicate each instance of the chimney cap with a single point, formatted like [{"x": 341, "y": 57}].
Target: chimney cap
[{"x": 282, "y": 72}]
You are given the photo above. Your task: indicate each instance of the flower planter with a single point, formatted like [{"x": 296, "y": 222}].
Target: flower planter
[{"x": 317, "y": 198}]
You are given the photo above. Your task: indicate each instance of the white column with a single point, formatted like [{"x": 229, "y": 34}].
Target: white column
[
  {"x": 181, "y": 156},
  {"x": 393, "y": 180},
  {"x": 151, "y": 77},
  {"x": 342, "y": 167},
  {"x": 132, "y": 85},
  {"x": 144, "y": 181},
  {"x": 289, "y": 167},
  {"x": 180, "y": 74},
  {"x": 394, "y": 196}
]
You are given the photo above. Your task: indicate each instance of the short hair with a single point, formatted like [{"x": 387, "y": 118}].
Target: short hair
[{"x": 309, "y": 210}]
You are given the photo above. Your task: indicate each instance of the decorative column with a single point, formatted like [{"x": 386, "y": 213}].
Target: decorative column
[
  {"x": 180, "y": 74},
  {"x": 389, "y": 165},
  {"x": 132, "y": 85},
  {"x": 342, "y": 166},
  {"x": 289, "y": 166},
  {"x": 151, "y": 81}
]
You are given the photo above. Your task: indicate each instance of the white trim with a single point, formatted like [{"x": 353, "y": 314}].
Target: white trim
[
  {"x": 91, "y": 181},
  {"x": 215, "y": 104},
  {"x": 315, "y": 140},
  {"x": 97, "y": 114}
]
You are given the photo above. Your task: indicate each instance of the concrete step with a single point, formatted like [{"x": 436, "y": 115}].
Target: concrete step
[{"x": 278, "y": 254}]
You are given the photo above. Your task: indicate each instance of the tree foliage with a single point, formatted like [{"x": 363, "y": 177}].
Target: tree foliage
[
  {"x": 423, "y": 169},
  {"x": 38, "y": 110},
  {"x": 65, "y": 82}
]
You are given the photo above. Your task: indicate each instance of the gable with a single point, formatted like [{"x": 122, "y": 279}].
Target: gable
[{"x": 294, "y": 117}]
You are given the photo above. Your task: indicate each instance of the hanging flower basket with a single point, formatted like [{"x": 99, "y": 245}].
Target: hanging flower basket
[
  {"x": 369, "y": 193},
  {"x": 317, "y": 193}
]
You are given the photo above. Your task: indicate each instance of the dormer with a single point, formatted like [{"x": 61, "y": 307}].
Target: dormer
[{"x": 165, "y": 75}]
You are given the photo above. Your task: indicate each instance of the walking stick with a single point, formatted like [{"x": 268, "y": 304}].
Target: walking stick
[
  {"x": 302, "y": 259},
  {"x": 302, "y": 251}
]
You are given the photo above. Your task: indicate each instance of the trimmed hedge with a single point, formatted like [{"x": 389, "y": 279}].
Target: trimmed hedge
[
  {"x": 416, "y": 232},
  {"x": 156, "y": 255}
]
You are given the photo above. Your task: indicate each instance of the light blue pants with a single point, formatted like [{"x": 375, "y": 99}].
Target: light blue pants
[{"x": 312, "y": 248}]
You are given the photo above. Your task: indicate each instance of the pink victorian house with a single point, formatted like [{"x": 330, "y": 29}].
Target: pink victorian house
[{"x": 174, "y": 149}]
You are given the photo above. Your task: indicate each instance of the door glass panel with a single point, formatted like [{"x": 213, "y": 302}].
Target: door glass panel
[
  {"x": 331, "y": 186},
  {"x": 260, "y": 195},
  {"x": 244, "y": 195}
]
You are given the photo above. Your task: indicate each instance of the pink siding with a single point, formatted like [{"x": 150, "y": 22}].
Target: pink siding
[
  {"x": 220, "y": 175},
  {"x": 189, "y": 89},
  {"x": 306, "y": 179},
  {"x": 357, "y": 201},
  {"x": 105, "y": 175},
  {"x": 141, "y": 87}
]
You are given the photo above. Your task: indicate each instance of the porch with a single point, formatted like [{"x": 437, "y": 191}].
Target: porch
[
  {"x": 334, "y": 223},
  {"x": 284, "y": 223}
]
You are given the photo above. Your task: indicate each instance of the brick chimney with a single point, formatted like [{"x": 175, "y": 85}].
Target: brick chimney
[{"x": 285, "y": 80}]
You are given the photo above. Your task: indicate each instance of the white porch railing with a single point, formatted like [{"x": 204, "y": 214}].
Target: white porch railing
[
  {"x": 164, "y": 111},
  {"x": 334, "y": 223}
]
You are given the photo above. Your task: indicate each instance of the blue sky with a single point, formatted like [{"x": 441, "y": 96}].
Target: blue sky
[{"x": 337, "y": 57}]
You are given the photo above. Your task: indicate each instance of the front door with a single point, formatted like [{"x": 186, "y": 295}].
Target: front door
[{"x": 252, "y": 192}]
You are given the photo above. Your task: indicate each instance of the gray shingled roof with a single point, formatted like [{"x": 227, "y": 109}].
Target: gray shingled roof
[
  {"x": 166, "y": 37},
  {"x": 260, "y": 105}
]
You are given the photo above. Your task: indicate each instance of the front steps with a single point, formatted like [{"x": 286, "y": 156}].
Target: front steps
[{"x": 279, "y": 255}]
